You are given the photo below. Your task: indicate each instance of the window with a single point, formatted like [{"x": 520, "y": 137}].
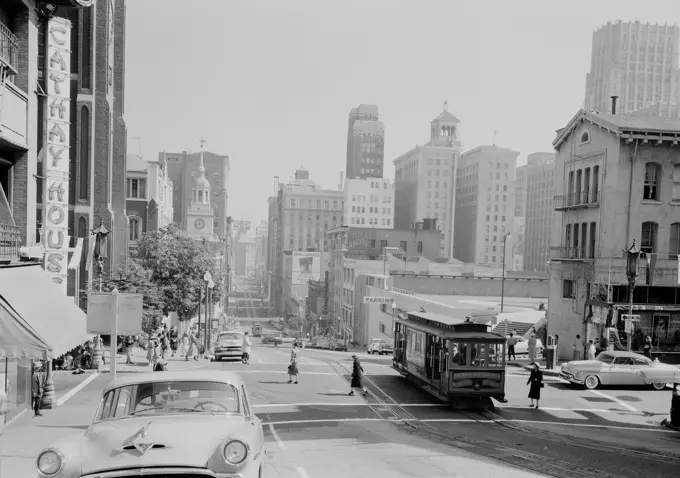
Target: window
[
  {"x": 136, "y": 188},
  {"x": 568, "y": 289},
  {"x": 383, "y": 243},
  {"x": 674, "y": 248},
  {"x": 84, "y": 172},
  {"x": 585, "y": 137},
  {"x": 420, "y": 247},
  {"x": 676, "y": 183},
  {"x": 403, "y": 245},
  {"x": 652, "y": 177},
  {"x": 648, "y": 237},
  {"x": 135, "y": 228},
  {"x": 382, "y": 329}
]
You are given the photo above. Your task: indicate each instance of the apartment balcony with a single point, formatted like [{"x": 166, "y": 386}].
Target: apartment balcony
[
  {"x": 9, "y": 49},
  {"x": 10, "y": 241},
  {"x": 582, "y": 200},
  {"x": 573, "y": 253}
]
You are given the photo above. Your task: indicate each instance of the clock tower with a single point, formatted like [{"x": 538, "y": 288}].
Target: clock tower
[{"x": 200, "y": 212}]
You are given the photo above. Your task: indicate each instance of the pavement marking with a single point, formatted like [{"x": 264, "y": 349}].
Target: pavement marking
[
  {"x": 342, "y": 404},
  {"x": 61, "y": 400},
  {"x": 277, "y": 438},
  {"x": 470, "y": 420},
  {"x": 615, "y": 400},
  {"x": 285, "y": 372},
  {"x": 301, "y": 471},
  {"x": 15, "y": 418},
  {"x": 558, "y": 409}
]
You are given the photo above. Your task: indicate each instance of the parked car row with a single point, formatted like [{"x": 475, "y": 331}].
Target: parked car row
[{"x": 327, "y": 343}]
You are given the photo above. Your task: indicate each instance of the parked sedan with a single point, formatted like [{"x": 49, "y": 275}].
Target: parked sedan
[
  {"x": 189, "y": 423},
  {"x": 619, "y": 368}
]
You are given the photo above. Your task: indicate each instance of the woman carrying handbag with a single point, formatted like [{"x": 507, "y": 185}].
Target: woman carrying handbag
[{"x": 536, "y": 381}]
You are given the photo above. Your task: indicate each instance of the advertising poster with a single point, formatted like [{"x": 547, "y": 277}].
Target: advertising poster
[{"x": 306, "y": 266}]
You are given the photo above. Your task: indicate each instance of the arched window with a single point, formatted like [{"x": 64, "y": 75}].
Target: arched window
[
  {"x": 585, "y": 137},
  {"x": 648, "y": 237},
  {"x": 652, "y": 180},
  {"x": 135, "y": 228},
  {"x": 84, "y": 165}
]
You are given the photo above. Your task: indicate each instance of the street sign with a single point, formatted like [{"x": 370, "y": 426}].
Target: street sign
[
  {"x": 629, "y": 320},
  {"x": 631, "y": 317},
  {"x": 100, "y": 314},
  {"x": 377, "y": 300}
]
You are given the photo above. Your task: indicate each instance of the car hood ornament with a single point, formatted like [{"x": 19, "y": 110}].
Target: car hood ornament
[{"x": 138, "y": 440}]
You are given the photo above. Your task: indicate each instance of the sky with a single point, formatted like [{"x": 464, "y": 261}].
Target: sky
[{"x": 270, "y": 83}]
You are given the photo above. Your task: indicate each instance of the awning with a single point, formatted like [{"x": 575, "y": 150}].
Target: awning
[
  {"x": 39, "y": 302},
  {"x": 17, "y": 337}
]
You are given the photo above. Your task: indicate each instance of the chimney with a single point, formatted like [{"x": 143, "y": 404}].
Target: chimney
[{"x": 614, "y": 98}]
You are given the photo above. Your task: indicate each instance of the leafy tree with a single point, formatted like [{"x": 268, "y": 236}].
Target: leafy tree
[{"x": 176, "y": 264}]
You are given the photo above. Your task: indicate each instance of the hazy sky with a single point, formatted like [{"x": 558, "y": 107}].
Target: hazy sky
[{"x": 271, "y": 82}]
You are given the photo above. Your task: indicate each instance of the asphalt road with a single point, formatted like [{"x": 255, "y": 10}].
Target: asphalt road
[{"x": 315, "y": 430}]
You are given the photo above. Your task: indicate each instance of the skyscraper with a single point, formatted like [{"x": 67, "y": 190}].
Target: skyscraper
[
  {"x": 485, "y": 205},
  {"x": 365, "y": 143},
  {"x": 539, "y": 210},
  {"x": 424, "y": 180},
  {"x": 638, "y": 62}
]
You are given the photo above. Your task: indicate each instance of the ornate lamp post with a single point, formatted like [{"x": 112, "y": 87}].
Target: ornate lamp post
[
  {"x": 99, "y": 255},
  {"x": 632, "y": 263},
  {"x": 209, "y": 284}
]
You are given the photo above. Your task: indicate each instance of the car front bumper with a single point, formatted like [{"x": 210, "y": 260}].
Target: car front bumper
[{"x": 571, "y": 378}]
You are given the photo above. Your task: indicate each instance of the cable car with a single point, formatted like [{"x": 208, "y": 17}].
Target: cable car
[
  {"x": 455, "y": 359},
  {"x": 257, "y": 330}
]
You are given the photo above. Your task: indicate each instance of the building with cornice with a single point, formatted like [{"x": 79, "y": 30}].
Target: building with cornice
[
  {"x": 617, "y": 183},
  {"x": 425, "y": 180},
  {"x": 365, "y": 143}
]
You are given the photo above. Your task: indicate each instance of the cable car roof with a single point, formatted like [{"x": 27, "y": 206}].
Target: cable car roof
[{"x": 472, "y": 326}]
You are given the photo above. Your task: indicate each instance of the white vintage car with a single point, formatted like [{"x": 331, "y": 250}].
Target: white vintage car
[
  {"x": 189, "y": 423},
  {"x": 621, "y": 369}
]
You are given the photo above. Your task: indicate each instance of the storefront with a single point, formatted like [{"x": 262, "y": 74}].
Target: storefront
[{"x": 37, "y": 322}]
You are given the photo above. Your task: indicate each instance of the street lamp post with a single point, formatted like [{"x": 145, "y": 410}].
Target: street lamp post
[
  {"x": 505, "y": 239},
  {"x": 209, "y": 284},
  {"x": 632, "y": 262},
  {"x": 384, "y": 251},
  {"x": 99, "y": 254}
]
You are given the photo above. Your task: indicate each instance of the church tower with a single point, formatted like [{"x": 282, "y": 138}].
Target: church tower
[
  {"x": 444, "y": 129},
  {"x": 200, "y": 213}
]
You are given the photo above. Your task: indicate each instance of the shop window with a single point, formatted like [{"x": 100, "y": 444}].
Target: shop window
[
  {"x": 652, "y": 177},
  {"x": 648, "y": 237}
]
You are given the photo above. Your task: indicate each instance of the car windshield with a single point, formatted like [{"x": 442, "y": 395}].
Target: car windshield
[
  {"x": 169, "y": 397},
  {"x": 606, "y": 358},
  {"x": 231, "y": 336}
]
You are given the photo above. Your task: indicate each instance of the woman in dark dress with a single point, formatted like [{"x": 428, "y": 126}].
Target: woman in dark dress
[
  {"x": 536, "y": 381},
  {"x": 357, "y": 377}
]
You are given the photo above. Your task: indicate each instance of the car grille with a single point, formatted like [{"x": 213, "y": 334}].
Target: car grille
[{"x": 160, "y": 472}]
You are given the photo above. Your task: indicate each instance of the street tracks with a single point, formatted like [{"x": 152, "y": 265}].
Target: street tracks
[{"x": 387, "y": 408}]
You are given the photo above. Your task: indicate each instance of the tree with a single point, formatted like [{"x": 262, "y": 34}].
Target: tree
[
  {"x": 176, "y": 264},
  {"x": 132, "y": 278}
]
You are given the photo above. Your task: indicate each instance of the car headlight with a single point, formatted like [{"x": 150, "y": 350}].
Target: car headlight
[
  {"x": 235, "y": 452},
  {"x": 50, "y": 462}
]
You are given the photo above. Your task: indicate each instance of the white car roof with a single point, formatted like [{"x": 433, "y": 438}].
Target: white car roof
[{"x": 219, "y": 376}]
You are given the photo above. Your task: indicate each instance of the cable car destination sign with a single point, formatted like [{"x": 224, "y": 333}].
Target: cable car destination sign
[{"x": 377, "y": 300}]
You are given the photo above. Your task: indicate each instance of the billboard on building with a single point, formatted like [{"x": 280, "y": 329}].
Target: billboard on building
[
  {"x": 56, "y": 150},
  {"x": 306, "y": 266}
]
